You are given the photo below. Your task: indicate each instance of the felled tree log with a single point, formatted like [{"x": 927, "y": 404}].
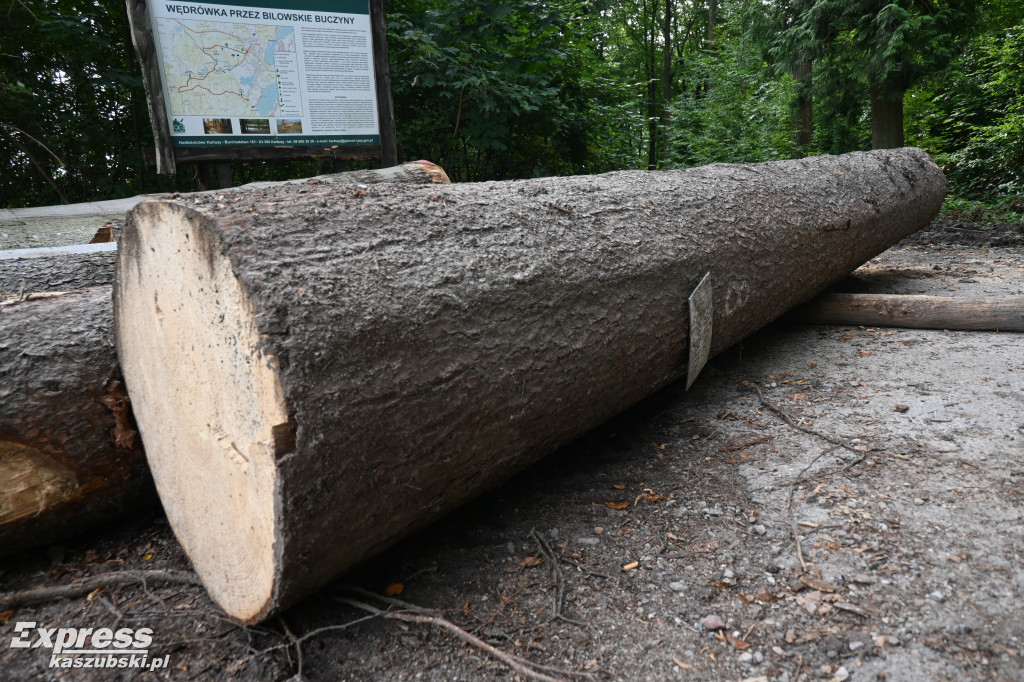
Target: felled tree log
[
  {"x": 57, "y": 271},
  {"x": 914, "y": 312},
  {"x": 69, "y": 454},
  {"x": 316, "y": 375}
]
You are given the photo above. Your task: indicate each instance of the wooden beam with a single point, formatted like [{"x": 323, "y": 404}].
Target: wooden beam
[{"x": 914, "y": 312}]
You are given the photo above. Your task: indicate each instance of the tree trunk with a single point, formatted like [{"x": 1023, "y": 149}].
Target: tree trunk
[
  {"x": 317, "y": 372},
  {"x": 803, "y": 109},
  {"x": 886, "y": 116},
  {"x": 69, "y": 457},
  {"x": 61, "y": 271},
  {"x": 914, "y": 312}
]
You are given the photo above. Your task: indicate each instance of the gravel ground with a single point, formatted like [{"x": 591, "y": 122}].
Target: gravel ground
[{"x": 826, "y": 503}]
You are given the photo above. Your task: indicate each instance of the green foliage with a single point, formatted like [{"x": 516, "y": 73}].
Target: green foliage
[
  {"x": 503, "y": 89},
  {"x": 743, "y": 117},
  {"x": 494, "y": 89}
]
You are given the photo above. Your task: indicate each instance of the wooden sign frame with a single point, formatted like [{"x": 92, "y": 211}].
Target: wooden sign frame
[{"x": 168, "y": 156}]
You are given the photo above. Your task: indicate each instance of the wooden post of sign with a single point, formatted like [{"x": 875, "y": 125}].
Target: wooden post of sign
[
  {"x": 145, "y": 47},
  {"x": 382, "y": 74}
]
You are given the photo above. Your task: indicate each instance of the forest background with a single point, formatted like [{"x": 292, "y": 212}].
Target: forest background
[{"x": 494, "y": 90}]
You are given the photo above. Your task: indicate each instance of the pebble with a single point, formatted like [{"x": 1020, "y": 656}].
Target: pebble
[
  {"x": 918, "y": 501},
  {"x": 855, "y": 645},
  {"x": 588, "y": 541},
  {"x": 938, "y": 596},
  {"x": 760, "y": 530},
  {"x": 841, "y": 674},
  {"x": 758, "y": 657},
  {"x": 728, "y": 574},
  {"x": 677, "y": 587},
  {"x": 713, "y": 511},
  {"x": 712, "y": 622},
  {"x": 746, "y": 657}
]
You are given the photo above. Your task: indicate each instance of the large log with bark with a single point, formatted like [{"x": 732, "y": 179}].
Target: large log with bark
[
  {"x": 69, "y": 455},
  {"x": 317, "y": 374}
]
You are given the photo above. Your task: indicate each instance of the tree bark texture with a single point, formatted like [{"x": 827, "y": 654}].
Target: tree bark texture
[
  {"x": 914, "y": 312},
  {"x": 318, "y": 372},
  {"x": 69, "y": 456},
  {"x": 59, "y": 272}
]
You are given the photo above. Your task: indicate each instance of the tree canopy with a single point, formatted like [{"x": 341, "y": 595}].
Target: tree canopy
[{"x": 495, "y": 89}]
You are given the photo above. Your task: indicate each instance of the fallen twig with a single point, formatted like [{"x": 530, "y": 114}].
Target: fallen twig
[
  {"x": 789, "y": 506},
  {"x": 800, "y": 427},
  {"x": 84, "y": 586},
  {"x": 521, "y": 665}
]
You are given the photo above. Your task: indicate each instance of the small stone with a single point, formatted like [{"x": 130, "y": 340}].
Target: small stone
[
  {"x": 677, "y": 587},
  {"x": 728, "y": 574},
  {"x": 588, "y": 541},
  {"x": 712, "y": 622},
  {"x": 841, "y": 674},
  {"x": 855, "y": 645},
  {"x": 746, "y": 657},
  {"x": 760, "y": 530},
  {"x": 938, "y": 596},
  {"x": 713, "y": 511},
  {"x": 918, "y": 501},
  {"x": 758, "y": 657}
]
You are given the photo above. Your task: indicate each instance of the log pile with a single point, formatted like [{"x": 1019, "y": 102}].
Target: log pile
[
  {"x": 69, "y": 454},
  {"x": 319, "y": 370}
]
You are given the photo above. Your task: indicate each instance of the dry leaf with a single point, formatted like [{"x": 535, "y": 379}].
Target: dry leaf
[
  {"x": 531, "y": 561},
  {"x": 816, "y": 584},
  {"x": 394, "y": 589},
  {"x": 360, "y": 192},
  {"x": 619, "y": 486},
  {"x": 737, "y": 642},
  {"x": 5, "y": 616},
  {"x": 631, "y": 566},
  {"x": 684, "y": 666},
  {"x": 618, "y": 505},
  {"x": 864, "y": 354}
]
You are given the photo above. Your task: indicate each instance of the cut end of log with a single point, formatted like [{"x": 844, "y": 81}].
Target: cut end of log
[
  {"x": 208, "y": 403},
  {"x": 32, "y": 483}
]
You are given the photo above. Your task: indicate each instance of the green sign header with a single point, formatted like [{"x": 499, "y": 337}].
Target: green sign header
[{"x": 283, "y": 6}]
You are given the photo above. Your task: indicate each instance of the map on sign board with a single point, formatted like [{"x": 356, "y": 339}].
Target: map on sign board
[
  {"x": 256, "y": 73},
  {"x": 221, "y": 69}
]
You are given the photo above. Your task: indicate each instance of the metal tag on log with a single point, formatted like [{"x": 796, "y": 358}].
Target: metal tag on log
[{"x": 702, "y": 320}]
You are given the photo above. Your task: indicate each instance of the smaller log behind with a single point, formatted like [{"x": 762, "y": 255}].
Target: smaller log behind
[
  {"x": 914, "y": 312},
  {"x": 60, "y": 271},
  {"x": 69, "y": 455}
]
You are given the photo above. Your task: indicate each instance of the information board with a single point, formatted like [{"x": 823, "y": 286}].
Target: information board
[{"x": 269, "y": 72}]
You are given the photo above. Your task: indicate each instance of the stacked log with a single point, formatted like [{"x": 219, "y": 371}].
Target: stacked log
[{"x": 69, "y": 454}]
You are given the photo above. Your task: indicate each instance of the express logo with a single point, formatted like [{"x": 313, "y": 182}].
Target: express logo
[{"x": 90, "y": 647}]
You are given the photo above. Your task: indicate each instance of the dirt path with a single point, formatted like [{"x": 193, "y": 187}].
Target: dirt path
[{"x": 846, "y": 502}]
